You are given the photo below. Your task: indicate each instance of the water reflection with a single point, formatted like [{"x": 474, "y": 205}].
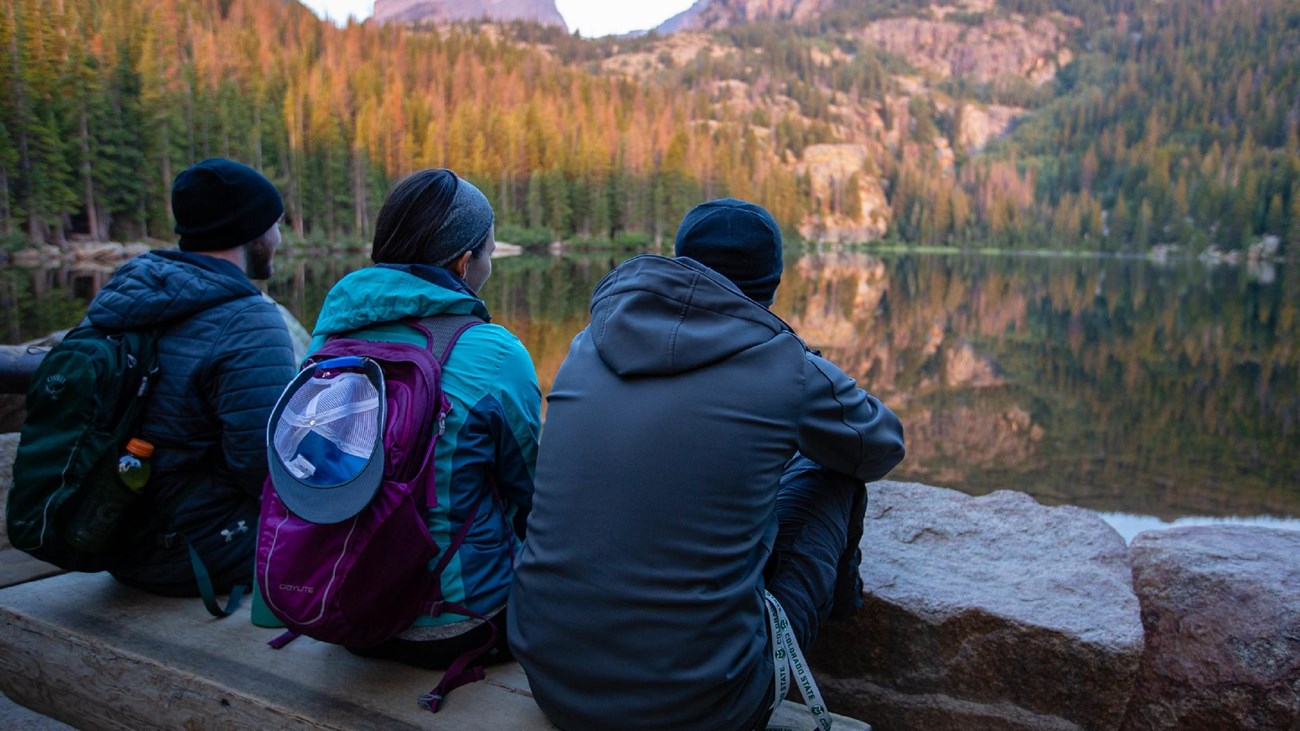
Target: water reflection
[
  {"x": 1112, "y": 384},
  {"x": 1128, "y": 526},
  {"x": 1160, "y": 389}
]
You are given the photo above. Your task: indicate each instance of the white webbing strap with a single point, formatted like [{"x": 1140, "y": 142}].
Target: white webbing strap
[{"x": 787, "y": 657}]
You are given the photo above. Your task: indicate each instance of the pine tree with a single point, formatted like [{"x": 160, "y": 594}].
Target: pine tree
[
  {"x": 1276, "y": 223},
  {"x": 1292, "y": 239}
]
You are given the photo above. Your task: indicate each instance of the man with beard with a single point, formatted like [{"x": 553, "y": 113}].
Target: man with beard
[{"x": 224, "y": 356}]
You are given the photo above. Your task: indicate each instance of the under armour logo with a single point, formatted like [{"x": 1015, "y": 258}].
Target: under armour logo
[{"x": 230, "y": 533}]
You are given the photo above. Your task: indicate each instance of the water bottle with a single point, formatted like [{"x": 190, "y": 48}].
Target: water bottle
[{"x": 100, "y": 511}]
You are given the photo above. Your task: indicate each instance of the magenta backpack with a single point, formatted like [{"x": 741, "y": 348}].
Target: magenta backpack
[{"x": 344, "y": 553}]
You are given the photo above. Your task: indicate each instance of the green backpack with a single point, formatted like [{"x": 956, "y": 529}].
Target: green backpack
[{"x": 84, "y": 402}]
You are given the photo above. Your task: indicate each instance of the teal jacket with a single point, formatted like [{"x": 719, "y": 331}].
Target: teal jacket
[{"x": 489, "y": 451}]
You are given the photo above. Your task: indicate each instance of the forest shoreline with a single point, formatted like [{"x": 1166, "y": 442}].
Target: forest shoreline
[{"x": 83, "y": 250}]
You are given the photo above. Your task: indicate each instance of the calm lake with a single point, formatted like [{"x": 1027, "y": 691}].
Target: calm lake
[{"x": 1150, "y": 391}]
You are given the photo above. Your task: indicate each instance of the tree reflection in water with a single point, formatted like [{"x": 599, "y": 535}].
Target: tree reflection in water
[{"x": 1108, "y": 383}]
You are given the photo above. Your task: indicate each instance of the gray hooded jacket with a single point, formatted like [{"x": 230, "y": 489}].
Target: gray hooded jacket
[{"x": 638, "y": 597}]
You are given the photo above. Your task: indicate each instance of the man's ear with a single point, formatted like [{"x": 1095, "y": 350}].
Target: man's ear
[{"x": 460, "y": 264}]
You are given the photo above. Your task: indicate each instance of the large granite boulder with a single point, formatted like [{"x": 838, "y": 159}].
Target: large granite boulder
[
  {"x": 985, "y": 613},
  {"x": 1221, "y": 607}
]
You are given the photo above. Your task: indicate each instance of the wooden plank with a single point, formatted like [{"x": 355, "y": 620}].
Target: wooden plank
[
  {"x": 92, "y": 653},
  {"x": 17, "y": 567},
  {"x": 96, "y": 655}
]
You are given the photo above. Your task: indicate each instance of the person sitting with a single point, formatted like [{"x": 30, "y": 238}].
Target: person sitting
[
  {"x": 697, "y": 454},
  {"x": 224, "y": 354},
  {"x": 432, "y": 253}
]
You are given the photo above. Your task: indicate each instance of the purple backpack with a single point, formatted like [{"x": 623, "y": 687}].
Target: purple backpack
[{"x": 344, "y": 553}]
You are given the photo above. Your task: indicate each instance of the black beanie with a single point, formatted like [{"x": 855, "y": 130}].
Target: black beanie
[
  {"x": 221, "y": 204},
  {"x": 738, "y": 240}
]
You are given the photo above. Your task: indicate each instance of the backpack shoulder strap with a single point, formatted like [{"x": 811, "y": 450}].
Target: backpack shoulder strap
[{"x": 444, "y": 330}]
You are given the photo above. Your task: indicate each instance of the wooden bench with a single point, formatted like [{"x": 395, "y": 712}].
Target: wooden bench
[{"x": 97, "y": 655}]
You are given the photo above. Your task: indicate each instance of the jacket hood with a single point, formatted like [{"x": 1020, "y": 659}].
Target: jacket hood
[
  {"x": 655, "y": 316},
  {"x": 159, "y": 288},
  {"x": 384, "y": 293}
]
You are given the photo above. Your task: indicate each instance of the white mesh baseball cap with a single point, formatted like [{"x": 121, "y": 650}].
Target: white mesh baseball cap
[{"x": 325, "y": 442}]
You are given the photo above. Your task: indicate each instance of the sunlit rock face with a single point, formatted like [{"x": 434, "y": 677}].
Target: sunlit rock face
[
  {"x": 715, "y": 14},
  {"x": 984, "y": 613},
  {"x": 982, "y": 51},
  {"x": 412, "y": 11},
  {"x": 982, "y": 123},
  {"x": 850, "y": 203},
  {"x": 966, "y": 38},
  {"x": 1221, "y": 606},
  {"x": 675, "y": 50}
]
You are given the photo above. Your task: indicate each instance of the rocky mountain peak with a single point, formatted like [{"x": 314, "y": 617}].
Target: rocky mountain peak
[{"x": 413, "y": 11}]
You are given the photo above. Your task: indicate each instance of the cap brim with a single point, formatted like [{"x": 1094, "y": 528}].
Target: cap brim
[{"x": 328, "y": 504}]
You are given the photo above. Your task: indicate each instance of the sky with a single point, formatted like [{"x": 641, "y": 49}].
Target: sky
[{"x": 592, "y": 17}]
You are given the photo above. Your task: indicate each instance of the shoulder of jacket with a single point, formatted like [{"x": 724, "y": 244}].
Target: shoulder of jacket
[
  {"x": 490, "y": 334},
  {"x": 490, "y": 349},
  {"x": 252, "y": 317}
]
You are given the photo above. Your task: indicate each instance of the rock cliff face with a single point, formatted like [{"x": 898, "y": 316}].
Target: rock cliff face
[
  {"x": 678, "y": 49},
  {"x": 983, "y": 51},
  {"x": 411, "y": 11},
  {"x": 982, "y": 123},
  {"x": 836, "y": 173},
  {"x": 714, "y": 14}
]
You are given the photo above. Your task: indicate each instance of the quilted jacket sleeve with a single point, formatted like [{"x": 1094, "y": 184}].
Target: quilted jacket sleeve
[{"x": 252, "y": 363}]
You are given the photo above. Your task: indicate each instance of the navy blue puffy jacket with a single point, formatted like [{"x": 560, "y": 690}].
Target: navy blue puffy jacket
[{"x": 225, "y": 356}]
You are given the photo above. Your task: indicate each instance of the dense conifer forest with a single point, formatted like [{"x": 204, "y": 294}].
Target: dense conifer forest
[{"x": 1172, "y": 123}]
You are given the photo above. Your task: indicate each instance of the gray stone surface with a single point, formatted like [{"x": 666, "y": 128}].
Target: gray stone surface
[
  {"x": 13, "y": 409},
  {"x": 1221, "y": 606},
  {"x": 8, "y": 449},
  {"x": 985, "y": 613}
]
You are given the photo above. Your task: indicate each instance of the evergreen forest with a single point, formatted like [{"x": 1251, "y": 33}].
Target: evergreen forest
[{"x": 1172, "y": 123}]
